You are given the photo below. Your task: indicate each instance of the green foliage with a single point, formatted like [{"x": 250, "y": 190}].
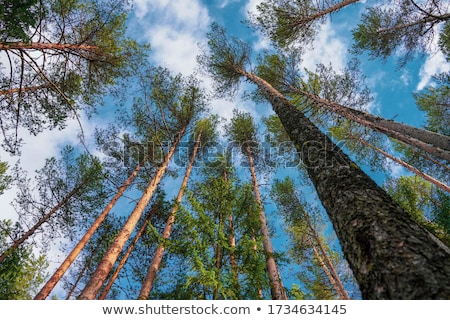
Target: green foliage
[
  {"x": 402, "y": 29},
  {"x": 17, "y": 18},
  {"x": 423, "y": 202},
  {"x": 85, "y": 53},
  {"x": 225, "y": 55},
  {"x": 444, "y": 40},
  {"x": 435, "y": 102},
  {"x": 22, "y": 272},
  {"x": 5, "y": 179}
]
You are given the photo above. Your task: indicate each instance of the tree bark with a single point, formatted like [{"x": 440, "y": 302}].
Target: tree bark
[
  {"x": 428, "y": 141},
  {"x": 391, "y": 255},
  {"x": 276, "y": 285},
  {"x": 324, "y": 12},
  {"x": 156, "y": 261},
  {"x": 93, "y": 286},
  {"x": 125, "y": 257},
  {"x": 57, "y": 275}
]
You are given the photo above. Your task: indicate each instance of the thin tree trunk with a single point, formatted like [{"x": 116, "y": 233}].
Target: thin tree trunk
[
  {"x": 324, "y": 12},
  {"x": 391, "y": 255},
  {"x": 432, "y": 19},
  {"x": 218, "y": 256},
  {"x": 125, "y": 257},
  {"x": 26, "y": 89},
  {"x": 337, "y": 283},
  {"x": 276, "y": 285},
  {"x": 93, "y": 286},
  {"x": 324, "y": 266},
  {"x": 81, "y": 273},
  {"x": 232, "y": 242},
  {"x": 57, "y": 275},
  {"x": 428, "y": 141},
  {"x": 41, "y": 221},
  {"x": 411, "y": 168},
  {"x": 156, "y": 261},
  {"x": 47, "y": 46}
]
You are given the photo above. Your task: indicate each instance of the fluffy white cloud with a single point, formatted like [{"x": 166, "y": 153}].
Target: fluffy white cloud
[{"x": 433, "y": 65}]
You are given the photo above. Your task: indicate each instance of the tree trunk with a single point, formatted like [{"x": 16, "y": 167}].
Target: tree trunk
[
  {"x": 47, "y": 46},
  {"x": 51, "y": 283},
  {"x": 324, "y": 12},
  {"x": 41, "y": 221},
  {"x": 391, "y": 255},
  {"x": 425, "y": 176},
  {"x": 93, "y": 286},
  {"x": 16, "y": 90},
  {"x": 127, "y": 254},
  {"x": 156, "y": 262},
  {"x": 428, "y": 141},
  {"x": 276, "y": 285},
  {"x": 324, "y": 266},
  {"x": 337, "y": 283}
]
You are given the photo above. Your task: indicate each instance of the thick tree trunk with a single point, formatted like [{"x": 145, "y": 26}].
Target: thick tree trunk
[
  {"x": 93, "y": 286},
  {"x": 391, "y": 255},
  {"x": 276, "y": 285},
  {"x": 428, "y": 141},
  {"x": 157, "y": 258},
  {"x": 57, "y": 275},
  {"x": 125, "y": 257},
  {"x": 41, "y": 221}
]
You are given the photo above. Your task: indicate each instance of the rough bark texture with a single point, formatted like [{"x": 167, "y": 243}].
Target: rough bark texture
[
  {"x": 93, "y": 286},
  {"x": 157, "y": 258},
  {"x": 57, "y": 275},
  {"x": 276, "y": 285},
  {"x": 428, "y": 141},
  {"x": 391, "y": 255}
]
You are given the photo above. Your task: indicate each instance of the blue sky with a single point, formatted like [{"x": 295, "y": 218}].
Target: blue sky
[{"x": 176, "y": 28}]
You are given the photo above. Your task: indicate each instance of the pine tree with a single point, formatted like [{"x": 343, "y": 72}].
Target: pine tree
[{"x": 377, "y": 236}]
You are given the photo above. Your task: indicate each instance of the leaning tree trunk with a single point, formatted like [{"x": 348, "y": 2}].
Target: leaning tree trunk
[
  {"x": 322, "y": 13},
  {"x": 127, "y": 254},
  {"x": 45, "y": 218},
  {"x": 93, "y": 286},
  {"x": 276, "y": 285},
  {"x": 156, "y": 262},
  {"x": 391, "y": 255},
  {"x": 433, "y": 143},
  {"x": 323, "y": 258},
  {"x": 57, "y": 275},
  {"x": 411, "y": 168}
]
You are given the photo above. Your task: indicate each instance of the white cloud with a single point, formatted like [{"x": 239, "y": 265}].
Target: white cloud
[
  {"x": 433, "y": 65},
  {"x": 327, "y": 48}
]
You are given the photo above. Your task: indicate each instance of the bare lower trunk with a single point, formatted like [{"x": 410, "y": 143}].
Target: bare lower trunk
[
  {"x": 93, "y": 286},
  {"x": 57, "y": 275},
  {"x": 157, "y": 258},
  {"x": 391, "y": 255},
  {"x": 276, "y": 285},
  {"x": 125, "y": 257}
]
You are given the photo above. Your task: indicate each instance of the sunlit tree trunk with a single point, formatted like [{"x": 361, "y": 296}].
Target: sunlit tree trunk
[
  {"x": 93, "y": 286},
  {"x": 156, "y": 262},
  {"x": 57, "y": 275},
  {"x": 276, "y": 285},
  {"x": 125, "y": 257}
]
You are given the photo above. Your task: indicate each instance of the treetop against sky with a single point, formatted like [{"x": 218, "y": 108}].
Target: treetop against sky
[{"x": 177, "y": 33}]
